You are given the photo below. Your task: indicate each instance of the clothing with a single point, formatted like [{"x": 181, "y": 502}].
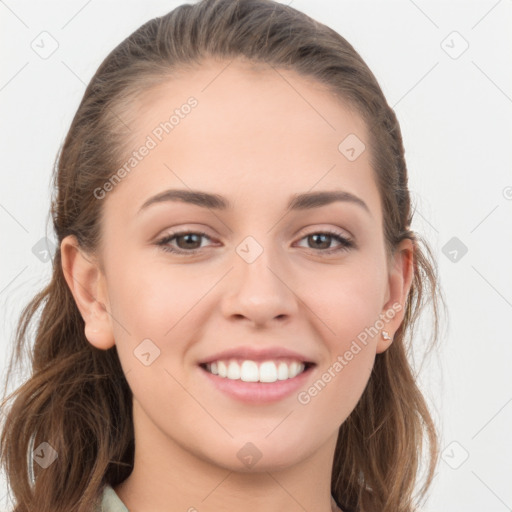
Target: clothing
[{"x": 111, "y": 502}]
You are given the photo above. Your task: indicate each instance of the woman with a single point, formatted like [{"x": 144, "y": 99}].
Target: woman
[{"x": 265, "y": 364}]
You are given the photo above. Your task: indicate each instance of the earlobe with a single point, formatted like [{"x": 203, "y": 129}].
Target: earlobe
[
  {"x": 399, "y": 284},
  {"x": 86, "y": 282},
  {"x": 384, "y": 342}
]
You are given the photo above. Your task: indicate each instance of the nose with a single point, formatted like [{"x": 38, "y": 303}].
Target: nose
[{"x": 259, "y": 293}]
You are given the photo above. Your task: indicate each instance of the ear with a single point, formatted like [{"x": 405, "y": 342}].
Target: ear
[
  {"x": 401, "y": 272},
  {"x": 87, "y": 284}
]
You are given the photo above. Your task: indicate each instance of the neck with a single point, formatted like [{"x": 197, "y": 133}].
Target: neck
[{"x": 168, "y": 477}]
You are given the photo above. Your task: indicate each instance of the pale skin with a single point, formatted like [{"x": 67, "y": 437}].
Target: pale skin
[{"x": 256, "y": 141}]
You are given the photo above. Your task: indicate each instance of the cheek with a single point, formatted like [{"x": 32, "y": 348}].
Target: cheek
[
  {"x": 158, "y": 304},
  {"x": 348, "y": 311},
  {"x": 348, "y": 300}
]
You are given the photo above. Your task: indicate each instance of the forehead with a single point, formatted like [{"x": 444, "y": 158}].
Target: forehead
[
  {"x": 253, "y": 130},
  {"x": 240, "y": 99}
]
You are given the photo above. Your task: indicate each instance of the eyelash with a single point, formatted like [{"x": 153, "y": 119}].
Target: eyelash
[{"x": 346, "y": 244}]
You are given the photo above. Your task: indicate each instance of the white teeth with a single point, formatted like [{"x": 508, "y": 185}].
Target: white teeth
[
  {"x": 233, "y": 371},
  {"x": 268, "y": 372},
  {"x": 248, "y": 371},
  {"x": 282, "y": 371},
  {"x": 251, "y": 371},
  {"x": 223, "y": 371}
]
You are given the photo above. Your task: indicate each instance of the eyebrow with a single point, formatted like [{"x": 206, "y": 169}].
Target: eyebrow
[{"x": 306, "y": 201}]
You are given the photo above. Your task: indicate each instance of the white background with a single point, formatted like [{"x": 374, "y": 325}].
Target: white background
[{"x": 456, "y": 117}]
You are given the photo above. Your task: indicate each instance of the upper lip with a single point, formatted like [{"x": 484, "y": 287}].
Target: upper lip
[{"x": 256, "y": 354}]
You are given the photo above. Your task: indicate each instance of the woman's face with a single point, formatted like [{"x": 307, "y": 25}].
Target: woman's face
[{"x": 263, "y": 277}]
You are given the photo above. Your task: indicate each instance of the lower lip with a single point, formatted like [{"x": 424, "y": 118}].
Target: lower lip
[{"x": 258, "y": 392}]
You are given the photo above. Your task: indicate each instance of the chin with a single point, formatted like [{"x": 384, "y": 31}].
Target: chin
[{"x": 254, "y": 456}]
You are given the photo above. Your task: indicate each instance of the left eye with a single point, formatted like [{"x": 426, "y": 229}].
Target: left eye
[
  {"x": 345, "y": 243},
  {"x": 192, "y": 237}
]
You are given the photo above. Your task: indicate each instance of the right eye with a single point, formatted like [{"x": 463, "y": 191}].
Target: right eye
[{"x": 187, "y": 236}]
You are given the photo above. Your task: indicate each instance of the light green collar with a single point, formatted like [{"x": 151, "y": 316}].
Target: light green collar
[{"x": 111, "y": 501}]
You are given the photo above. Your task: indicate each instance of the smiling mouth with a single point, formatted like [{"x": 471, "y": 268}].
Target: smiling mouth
[{"x": 253, "y": 371}]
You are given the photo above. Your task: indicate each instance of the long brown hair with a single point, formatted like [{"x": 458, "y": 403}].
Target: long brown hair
[{"x": 77, "y": 399}]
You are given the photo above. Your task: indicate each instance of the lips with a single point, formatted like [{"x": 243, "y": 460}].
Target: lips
[
  {"x": 256, "y": 392},
  {"x": 265, "y": 388},
  {"x": 258, "y": 355}
]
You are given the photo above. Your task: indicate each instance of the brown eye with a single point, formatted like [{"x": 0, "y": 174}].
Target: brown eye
[
  {"x": 187, "y": 242},
  {"x": 321, "y": 241}
]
